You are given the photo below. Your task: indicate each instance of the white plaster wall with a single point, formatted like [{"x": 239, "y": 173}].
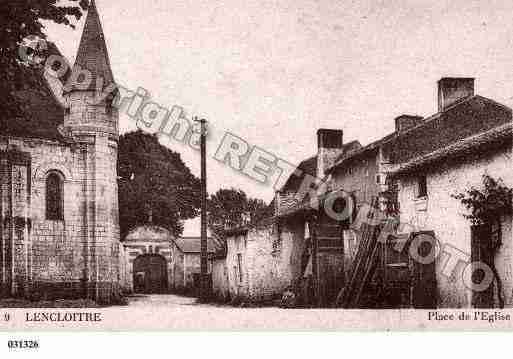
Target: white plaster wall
[
  {"x": 267, "y": 269},
  {"x": 444, "y": 215},
  {"x": 220, "y": 278},
  {"x": 236, "y": 245}
]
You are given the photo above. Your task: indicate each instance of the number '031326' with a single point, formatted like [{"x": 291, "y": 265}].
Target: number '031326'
[{"x": 22, "y": 344}]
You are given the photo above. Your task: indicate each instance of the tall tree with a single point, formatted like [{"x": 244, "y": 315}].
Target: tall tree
[
  {"x": 20, "y": 19},
  {"x": 154, "y": 184},
  {"x": 229, "y": 208}
]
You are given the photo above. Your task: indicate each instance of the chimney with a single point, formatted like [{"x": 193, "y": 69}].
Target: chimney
[
  {"x": 405, "y": 122},
  {"x": 452, "y": 90},
  {"x": 329, "y": 147}
]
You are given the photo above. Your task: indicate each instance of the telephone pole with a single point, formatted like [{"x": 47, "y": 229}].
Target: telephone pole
[{"x": 204, "y": 287}]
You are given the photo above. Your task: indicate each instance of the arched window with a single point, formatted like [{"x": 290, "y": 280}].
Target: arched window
[{"x": 54, "y": 197}]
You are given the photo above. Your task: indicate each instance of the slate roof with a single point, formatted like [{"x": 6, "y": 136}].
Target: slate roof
[
  {"x": 193, "y": 244},
  {"x": 92, "y": 52}
]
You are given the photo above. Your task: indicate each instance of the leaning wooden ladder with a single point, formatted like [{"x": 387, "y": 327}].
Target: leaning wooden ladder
[{"x": 364, "y": 264}]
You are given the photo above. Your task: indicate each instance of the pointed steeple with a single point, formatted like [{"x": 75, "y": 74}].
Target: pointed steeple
[{"x": 92, "y": 52}]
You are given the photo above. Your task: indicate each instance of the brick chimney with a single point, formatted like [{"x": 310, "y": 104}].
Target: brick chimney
[
  {"x": 452, "y": 90},
  {"x": 405, "y": 122},
  {"x": 329, "y": 147}
]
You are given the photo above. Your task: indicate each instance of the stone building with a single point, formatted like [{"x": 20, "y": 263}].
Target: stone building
[
  {"x": 300, "y": 210},
  {"x": 185, "y": 263},
  {"x": 156, "y": 262},
  {"x": 410, "y": 177},
  {"x": 261, "y": 261},
  {"x": 414, "y": 172},
  {"x": 362, "y": 173},
  {"x": 258, "y": 263},
  {"x": 446, "y": 154},
  {"x": 59, "y": 231},
  {"x": 148, "y": 264}
]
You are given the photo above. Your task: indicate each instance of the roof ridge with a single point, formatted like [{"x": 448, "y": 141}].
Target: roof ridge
[
  {"x": 504, "y": 129},
  {"x": 394, "y": 135}
]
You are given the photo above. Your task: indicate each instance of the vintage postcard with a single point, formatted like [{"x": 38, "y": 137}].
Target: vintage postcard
[{"x": 256, "y": 165}]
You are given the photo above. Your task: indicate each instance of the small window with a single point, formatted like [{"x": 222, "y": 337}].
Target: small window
[
  {"x": 276, "y": 238},
  {"x": 54, "y": 197},
  {"x": 496, "y": 234},
  {"x": 422, "y": 187}
]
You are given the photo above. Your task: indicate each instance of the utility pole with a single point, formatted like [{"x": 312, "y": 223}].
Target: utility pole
[
  {"x": 203, "y": 247},
  {"x": 315, "y": 264}
]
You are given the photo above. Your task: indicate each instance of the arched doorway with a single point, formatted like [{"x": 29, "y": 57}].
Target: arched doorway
[{"x": 150, "y": 274}]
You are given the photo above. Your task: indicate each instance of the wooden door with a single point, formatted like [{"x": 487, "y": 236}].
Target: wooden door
[
  {"x": 407, "y": 282},
  {"x": 481, "y": 251},
  {"x": 424, "y": 285},
  {"x": 396, "y": 272}
]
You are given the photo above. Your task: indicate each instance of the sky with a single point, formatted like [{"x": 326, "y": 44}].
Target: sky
[{"x": 273, "y": 72}]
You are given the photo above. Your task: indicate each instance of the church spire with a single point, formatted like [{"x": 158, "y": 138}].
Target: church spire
[{"x": 92, "y": 52}]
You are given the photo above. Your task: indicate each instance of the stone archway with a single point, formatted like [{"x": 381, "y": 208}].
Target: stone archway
[
  {"x": 146, "y": 240},
  {"x": 150, "y": 274}
]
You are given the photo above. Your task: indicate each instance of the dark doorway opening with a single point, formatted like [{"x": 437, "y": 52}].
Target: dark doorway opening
[
  {"x": 485, "y": 240},
  {"x": 150, "y": 274},
  {"x": 409, "y": 271}
]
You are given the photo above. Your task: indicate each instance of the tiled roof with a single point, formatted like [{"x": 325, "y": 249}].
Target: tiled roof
[
  {"x": 482, "y": 142},
  {"x": 309, "y": 166},
  {"x": 193, "y": 244},
  {"x": 465, "y": 119},
  {"x": 469, "y": 117},
  {"x": 350, "y": 148},
  {"x": 351, "y": 155},
  {"x": 92, "y": 51}
]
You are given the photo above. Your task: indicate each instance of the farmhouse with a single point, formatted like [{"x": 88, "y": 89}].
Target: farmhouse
[
  {"x": 448, "y": 153},
  {"x": 186, "y": 263},
  {"x": 402, "y": 195}
]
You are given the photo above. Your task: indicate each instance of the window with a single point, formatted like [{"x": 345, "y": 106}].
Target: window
[
  {"x": 276, "y": 238},
  {"x": 422, "y": 187},
  {"x": 54, "y": 197},
  {"x": 496, "y": 234}
]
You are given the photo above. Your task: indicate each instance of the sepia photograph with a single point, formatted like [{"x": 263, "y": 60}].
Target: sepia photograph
[{"x": 256, "y": 165}]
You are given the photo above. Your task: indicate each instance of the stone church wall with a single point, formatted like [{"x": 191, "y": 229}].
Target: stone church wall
[{"x": 60, "y": 260}]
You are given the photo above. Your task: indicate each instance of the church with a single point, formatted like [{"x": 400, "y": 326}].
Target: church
[{"x": 59, "y": 220}]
